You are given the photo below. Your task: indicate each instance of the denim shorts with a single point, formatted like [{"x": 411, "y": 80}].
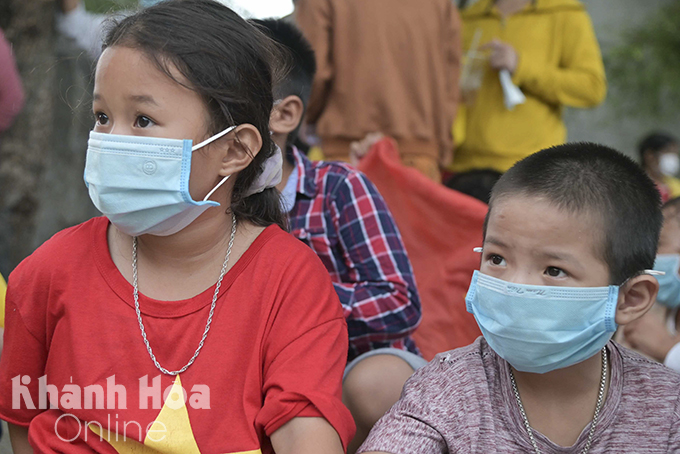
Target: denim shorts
[{"x": 413, "y": 360}]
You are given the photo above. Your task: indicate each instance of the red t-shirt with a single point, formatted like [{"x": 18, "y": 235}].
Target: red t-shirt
[{"x": 276, "y": 350}]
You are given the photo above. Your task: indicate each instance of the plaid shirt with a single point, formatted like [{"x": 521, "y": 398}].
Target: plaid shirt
[{"x": 339, "y": 213}]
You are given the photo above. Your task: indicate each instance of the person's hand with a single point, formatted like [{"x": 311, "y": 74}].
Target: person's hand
[
  {"x": 502, "y": 55},
  {"x": 649, "y": 335},
  {"x": 446, "y": 159},
  {"x": 359, "y": 148}
]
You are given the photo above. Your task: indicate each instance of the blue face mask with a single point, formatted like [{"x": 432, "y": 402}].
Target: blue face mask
[
  {"x": 669, "y": 283},
  {"x": 142, "y": 183},
  {"x": 540, "y": 328}
]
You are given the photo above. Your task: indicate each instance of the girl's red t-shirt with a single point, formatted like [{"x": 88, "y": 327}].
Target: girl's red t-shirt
[{"x": 276, "y": 350}]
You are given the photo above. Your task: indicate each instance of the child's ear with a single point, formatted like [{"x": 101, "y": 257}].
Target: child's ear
[
  {"x": 636, "y": 297},
  {"x": 286, "y": 115},
  {"x": 241, "y": 151}
]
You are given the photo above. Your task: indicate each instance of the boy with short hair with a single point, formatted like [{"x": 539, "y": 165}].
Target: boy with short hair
[
  {"x": 570, "y": 237},
  {"x": 339, "y": 213}
]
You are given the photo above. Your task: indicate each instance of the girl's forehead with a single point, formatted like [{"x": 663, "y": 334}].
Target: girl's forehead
[{"x": 134, "y": 68}]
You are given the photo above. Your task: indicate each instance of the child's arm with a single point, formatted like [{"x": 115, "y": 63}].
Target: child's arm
[
  {"x": 379, "y": 297},
  {"x": 306, "y": 436},
  {"x": 304, "y": 356},
  {"x": 18, "y": 435}
]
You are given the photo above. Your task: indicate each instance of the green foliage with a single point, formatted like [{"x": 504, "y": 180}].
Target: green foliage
[
  {"x": 645, "y": 71},
  {"x": 106, "y": 6}
]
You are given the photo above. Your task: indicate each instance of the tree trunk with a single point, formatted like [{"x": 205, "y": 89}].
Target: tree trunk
[{"x": 42, "y": 155}]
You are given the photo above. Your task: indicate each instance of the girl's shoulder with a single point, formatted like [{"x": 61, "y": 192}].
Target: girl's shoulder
[
  {"x": 282, "y": 247},
  {"x": 64, "y": 248}
]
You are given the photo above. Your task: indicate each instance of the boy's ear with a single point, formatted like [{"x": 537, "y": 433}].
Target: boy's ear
[
  {"x": 286, "y": 115},
  {"x": 241, "y": 151},
  {"x": 636, "y": 297}
]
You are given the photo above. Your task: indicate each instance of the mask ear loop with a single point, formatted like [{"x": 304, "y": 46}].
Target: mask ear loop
[
  {"x": 219, "y": 135},
  {"x": 216, "y": 188},
  {"x": 206, "y": 142},
  {"x": 649, "y": 272}
]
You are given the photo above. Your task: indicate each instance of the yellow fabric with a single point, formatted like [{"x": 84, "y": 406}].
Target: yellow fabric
[
  {"x": 559, "y": 65},
  {"x": 673, "y": 185},
  {"x": 3, "y": 290},
  {"x": 315, "y": 154},
  {"x": 170, "y": 433}
]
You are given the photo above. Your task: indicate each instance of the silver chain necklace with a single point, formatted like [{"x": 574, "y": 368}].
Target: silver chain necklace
[
  {"x": 598, "y": 406},
  {"x": 212, "y": 306}
]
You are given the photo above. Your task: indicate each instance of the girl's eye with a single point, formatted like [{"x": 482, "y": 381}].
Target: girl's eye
[
  {"x": 497, "y": 260},
  {"x": 553, "y": 271},
  {"x": 101, "y": 118},
  {"x": 143, "y": 122}
]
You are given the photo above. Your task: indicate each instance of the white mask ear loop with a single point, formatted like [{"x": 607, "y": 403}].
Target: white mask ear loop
[
  {"x": 206, "y": 142},
  {"x": 216, "y": 187},
  {"x": 655, "y": 272},
  {"x": 213, "y": 138}
]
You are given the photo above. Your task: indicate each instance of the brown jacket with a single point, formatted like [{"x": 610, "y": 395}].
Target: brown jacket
[{"x": 384, "y": 65}]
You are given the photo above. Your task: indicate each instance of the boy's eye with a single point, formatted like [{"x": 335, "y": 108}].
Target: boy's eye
[
  {"x": 497, "y": 259},
  {"x": 143, "y": 122},
  {"x": 553, "y": 271},
  {"x": 101, "y": 118}
]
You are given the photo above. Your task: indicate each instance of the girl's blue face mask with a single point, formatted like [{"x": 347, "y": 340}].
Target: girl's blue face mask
[
  {"x": 669, "y": 283},
  {"x": 142, "y": 183}
]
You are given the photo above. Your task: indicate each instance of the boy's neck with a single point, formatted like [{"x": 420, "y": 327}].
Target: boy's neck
[
  {"x": 567, "y": 381},
  {"x": 560, "y": 403},
  {"x": 281, "y": 140}
]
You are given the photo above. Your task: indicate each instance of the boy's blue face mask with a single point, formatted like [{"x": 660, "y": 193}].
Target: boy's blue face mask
[
  {"x": 142, "y": 183},
  {"x": 669, "y": 283},
  {"x": 541, "y": 328}
]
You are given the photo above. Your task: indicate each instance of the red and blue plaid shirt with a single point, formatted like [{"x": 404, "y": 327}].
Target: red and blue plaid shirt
[{"x": 339, "y": 213}]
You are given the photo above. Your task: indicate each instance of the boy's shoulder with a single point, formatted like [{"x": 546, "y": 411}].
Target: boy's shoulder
[
  {"x": 329, "y": 176},
  {"x": 639, "y": 371},
  {"x": 458, "y": 373}
]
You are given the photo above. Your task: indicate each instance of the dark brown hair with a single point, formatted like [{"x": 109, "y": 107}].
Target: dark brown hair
[{"x": 229, "y": 63}]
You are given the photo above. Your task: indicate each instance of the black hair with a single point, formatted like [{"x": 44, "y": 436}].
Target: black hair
[
  {"x": 475, "y": 183},
  {"x": 302, "y": 63},
  {"x": 229, "y": 63},
  {"x": 655, "y": 142},
  {"x": 591, "y": 178}
]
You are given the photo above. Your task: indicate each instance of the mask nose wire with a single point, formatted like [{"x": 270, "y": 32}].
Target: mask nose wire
[{"x": 213, "y": 138}]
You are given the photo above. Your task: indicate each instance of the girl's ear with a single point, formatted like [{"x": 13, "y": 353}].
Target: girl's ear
[
  {"x": 636, "y": 297},
  {"x": 241, "y": 151}
]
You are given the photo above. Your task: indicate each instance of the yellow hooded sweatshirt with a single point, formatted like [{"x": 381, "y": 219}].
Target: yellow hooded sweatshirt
[{"x": 559, "y": 65}]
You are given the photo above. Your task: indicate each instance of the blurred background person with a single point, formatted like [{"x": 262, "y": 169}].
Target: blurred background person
[
  {"x": 384, "y": 66},
  {"x": 11, "y": 91},
  {"x": 550, "y": 50},
  {"x": 659, "y": 157},
  {"x": 656, "y": 334}
]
